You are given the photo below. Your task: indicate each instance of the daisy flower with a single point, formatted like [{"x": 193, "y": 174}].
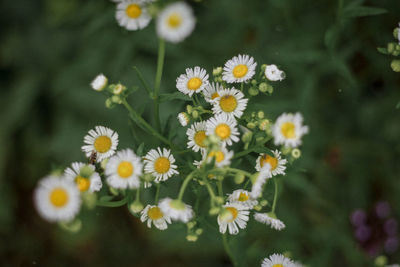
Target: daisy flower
[
  {"x": 160, "y": 164},
  {"x": 235, "y": 216},
  {"x": 273, "y": 73},
  {"x": 196, "y": 136},
  {"x": 85, "y": 177},
  {"x": 276, "y": 162},
  {"x": 288, "y": 129},
  {"x": 57, "y": 199},
  {"x": 175, "y": 22},
  {"x": 102, "y": 141},
  {"x": 153, "y": 214},
  {"x": 230, "y": 102},
  {"x": 224, "y": 127},
  {"x": 99, "y": 83},
  {"x": 183, "y": 119},
  {"x": 211, "y": 91},
  {"x": 269, "y": 219},
  {"x": 132, "y": 14},
  {"x": 239, "y": 69},
  {"x": 123, "y": 170},
  {"x": 176, "y": 209},
  {"x": 194, "y": 81},
  {"x": 277, "y": 260},
  {"x": 263, "y": 175},
  {"x": 243, "y": 197},
  {"x": 222, "y": 157}
]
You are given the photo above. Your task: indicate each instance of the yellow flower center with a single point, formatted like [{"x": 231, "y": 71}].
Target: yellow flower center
[
  {"x": 82, "y": 183},
  {"x": 223, "y": 131},
  {"x": 155, "y": 213},
  {"x": 228, "y": 103},
  {"x": 218, "y": 155},
  {"x": 125, "y": 169},
  {"x": 199, "y": 138},
  {"x": 240, "y": 70},
  {"x": 59, "y": 197},
  {"x": 194, "y": 83},
  {"x": 268, "y": 159},
  {"x": 234, "y": 213},
  {"x": 175, "y": 20},
  {"x": 133, "y": 11},
  {"x": 102, "y": 144},
  {"x": 243, "y": 197},
  {"x": 278, "y": 265},
  {"x": 214, "y": 95},
  {"x": 162, "y": 164},
  {"x": 288, "y": 130}
]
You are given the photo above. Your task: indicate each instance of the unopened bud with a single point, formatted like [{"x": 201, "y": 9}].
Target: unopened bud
[
  {"x": 247, "y": 136},
  {"x": 214, "y": 211},
  {"x": 264, "y": 125},
  {"x": 395, "y": 65},
  {"x": 296, "y": 153},
  {"x": 136, "y": 206},
  {"x": 217, "y": 71},
  {"x": 116, "y": 99},
  {"x": 263, "y": 87},
  {"x": 199, "y": 231},
  {"x": 239, "y": 178},
  {"x": 251, "y": 125},
  {"x": 189, "y": 109},
  {"x": 195, "y": 114},
  {"x": 260, "y": 114},
  {"x": 191, "y": 238},
  {"x": 253, "y": 82},
  {"x": 109, "y": 104},
  {"x": 118, "y": 89},
  {"x": 257, "y": 207},
  {"x": 253, "y": 91},
  {"x": 263, "y": 202}
]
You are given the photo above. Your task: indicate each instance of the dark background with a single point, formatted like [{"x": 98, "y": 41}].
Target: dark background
[{"x": 50, "y": 51}]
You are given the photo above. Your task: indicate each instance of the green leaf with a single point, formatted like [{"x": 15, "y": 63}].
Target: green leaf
[
  {"x": 383, "y": 50},
  {"x": 362, "y": 11},
  {"x": 261, "y": 149},
  {"x": 174, "y": 96},
  {"x": 398, "y": 105},
  {"x": 140, "y": 149}
]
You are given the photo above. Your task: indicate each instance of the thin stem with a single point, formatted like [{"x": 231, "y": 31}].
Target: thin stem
[
  {"x": 228, "y": 250},
  {"x": 243, "y": 153},
  {"x": 241, "y": 86},
  {"x": 246, "y": 184},
  {"x": 220, "y": 191},
  {"x": 138, "y": 194},
  {"x": 275, "y": 196},
  {"x": 210, "y": 190},
  {"x": 112, "y": 204},
  {"x": 239, "y": 171},
  {"x": 157, "y": 83},
  {"x": 157, "y": 193},
  {"x": 142, "y": 80},
  {"x": 185, "y": 183}
]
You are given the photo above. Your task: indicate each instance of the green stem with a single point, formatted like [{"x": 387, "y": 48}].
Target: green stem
[
  {"x": 239, "y": 171},
  {"x": 210, "y": 190},
  {"x": 142, "y": 80},
  {"x": 220, "y": 191},
  {"x": 228, "y": 250},
  {"x": 185, "y": 183},
  {"x": 138, "y": 194},
  {"x": 275, "y": 196},
  {"x": 241, "y": 86},
  {"x": 243, "y": 153},
  {"x": 157, "y": 193},
  {"x": 157, "y": 83},
  {"x": 112, "y": 204}
]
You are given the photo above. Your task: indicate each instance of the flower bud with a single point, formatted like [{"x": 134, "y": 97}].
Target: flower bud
[
  {"x": 239, "y": 178},
  {"x": 217, "y": 71},
  {"x": 263, "y": 87},
  {"x": 214, "y": 211},
  {"x": 190, "y": 225},
  {"x": 89, "y": 200},
  {"x": 263, "y": 67},
  {"x": 191, "y": 238},
  {"x": 296, "y": 153},
  {"x": 116, "y": 99},
  {"x": 270, "y": 89},
  {"x": 99, "y": 83},
  {"x": 195, "y": 114},
  {"x": 103, "y": 163},
  {"x": 263, "y": 202},
  {"x": 264, "y": 125},
  {"x": 114, "y": 191},
  {"x": 381, "y": 261},
  {"x": 391, "y": 47},
  {"x": 136, "y": 206},
  {"x": 199, "y": 231},
  {"x": 395, "y": 65},
  {"x": 253, "y": 91},
  {"x": 253, "y": 82},
  {"x": 251, "y": 125},
  {"x": 396, "y": 33},
  {"x": 257, "y": 207},
  {"x": 225, "y": 215},
  {"x": 109, "y": 103},
  {"x": 219, "y": 200},
  {"x": 260, "y": 114},
  {"x": 247, "y": 136},
  {"x": 189, "y": 109},
  {"x": 86, "y": 171},
  {"x": 118, "y": 89}
]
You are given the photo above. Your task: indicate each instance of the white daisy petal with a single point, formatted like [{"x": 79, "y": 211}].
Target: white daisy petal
[
  {"x": 269, "y": 219},
  {"x": 263, "y": 175},
  {"x": 288, "y": 129},
  {"x": 235, "y": 216},
  {"x": 99, "y": 83},
  {"x": 176, "y": 210},
  {"x": 90, "y": 182},
  {"x": 196, "y": 136},
  {"x": 272, "y": 73},
  {"x": 239, "y": 69},
  {"x": 102, "y": 141},
  {"x": 193, "y": 81},
  {"x": 222, "y": 157},
  {"x": 211, "y": 91},
  {"x": 160, "y": 164},
  {"x": 183, "y": 119},
  {"x": 133, "y": 14},
  {"x": 277, "y": 260}
]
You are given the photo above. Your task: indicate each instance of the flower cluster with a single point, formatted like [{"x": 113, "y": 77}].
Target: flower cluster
[{"x": 393, "y": 49}]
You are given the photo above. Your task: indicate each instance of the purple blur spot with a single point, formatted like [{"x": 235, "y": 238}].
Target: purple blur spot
[
  {"x": 390, "y": 227},
  {"x": 363, "y": 233},
  {"x": 358, "y": 217},
  {"x": 391, "y": 244},
  {"x": 382, "y": 209}
]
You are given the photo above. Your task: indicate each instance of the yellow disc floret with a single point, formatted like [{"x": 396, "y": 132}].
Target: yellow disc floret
[
  {"x": 125, "y": 169},
  {"x": 234, "y": 213},
  {"x": 155, "y": 213},
  {"x": 133, "y": 11},
  {"x": 240, "y": 70},
  {"x": 214, "y": 95},
  {"x": 223, "y": 131},
  {"x": 162, "y": 165},
  {"x": 288, "y": 130},
  {"x": 228, "y": 103},
  {"x": 174, "y": 20},
  {"x": 278, "y": 265},
  {"x": 59, "y": 197},
  {"x": 199, "y": 138},
  {"x": 82, "y": 183},
  {"x": 218, "y": 155},
  {"x": 194, "y": 83},
  {"x": 243, "y": 197},
  {"x": 268, "y": 159},
  {"x": 102, "y": 144}
]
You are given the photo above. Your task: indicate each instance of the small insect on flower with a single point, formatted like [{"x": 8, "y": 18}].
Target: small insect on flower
[
  {"x": 57, "y": 199},
  {"x": 193, "y": 81},
  {"x": 153, "y": 214},
  {"x": 233, "y": 217},
  {"x": 224, "y": 127},
  {"x": 176, "y": 210},
  {"x": 196, "y": 135},
  {"x": 102, "y": 141},
  {"x": 272, "y": 73},
  {"x": 230, "y": 102},
  {"x": 93, "y": 158},
  {"x": 132, "y": 14},
  {"x": 269, "y": 219},
  {"x": 99, "y": 83},
  {"x": 288, "y": 129},
  {"x": 85, "y": 177},
  {"x": 277, "y": 260},
  {"x": 239, "y": 69},
  {"x": 160, "y": 164},
  {"x": 243, "y": 197},
  {"x": 124, "y": 169},
  {"x": 175, "y": 22},
  {"x": 276, "y": 162},
  {"x": 211, "y": 91}
]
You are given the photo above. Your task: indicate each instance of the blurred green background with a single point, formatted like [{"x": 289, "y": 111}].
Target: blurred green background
[{"x": 51, "y": 50}]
